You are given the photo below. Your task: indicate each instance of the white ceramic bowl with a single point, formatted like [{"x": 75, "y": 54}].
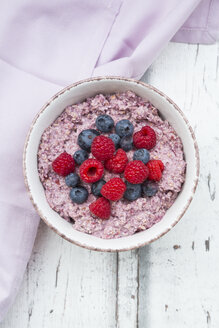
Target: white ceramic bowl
[{"x": 76, "y": 93}]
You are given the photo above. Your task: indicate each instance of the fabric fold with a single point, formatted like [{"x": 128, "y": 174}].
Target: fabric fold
[
  {"x": 59, "y": 41},
  {"x": 202, "y": 26},
  {"x": 21, "y": 96},
  {"x": 152, "y": 31},
  {"x": 15, "y": 249}
]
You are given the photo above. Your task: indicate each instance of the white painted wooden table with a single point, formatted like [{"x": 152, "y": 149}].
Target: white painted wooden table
[{"x": 172, "y": 283}]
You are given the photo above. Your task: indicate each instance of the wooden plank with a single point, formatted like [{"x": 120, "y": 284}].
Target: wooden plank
[
  {"x": 127, "y": 289},
  {"x": 178, "y": 273},
  {"x": 65, "y": 286}
]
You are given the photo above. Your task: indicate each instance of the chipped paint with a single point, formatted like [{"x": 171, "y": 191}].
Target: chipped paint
[
  {"x": 57, "y": 272},
  {"x": 207, "y": 244},
  {"x": 208, "y": 317},
  {"x": 211, "y": 189}
]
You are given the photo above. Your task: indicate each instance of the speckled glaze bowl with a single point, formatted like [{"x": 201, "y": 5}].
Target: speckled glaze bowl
[{"x": 76, "y": 93}]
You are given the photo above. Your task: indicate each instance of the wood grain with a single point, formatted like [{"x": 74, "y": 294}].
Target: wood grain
[
  {"x": 181, "y": 287},
  {"x": 127, "y": 289},
  {"x": 65, "y": 286},
  {"x": 170, "y": 283}
]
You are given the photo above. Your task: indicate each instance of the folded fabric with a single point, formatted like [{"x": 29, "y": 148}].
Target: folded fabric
[
  {"x": 202, "y": 25},
  {"x": 48, "y": 45}
]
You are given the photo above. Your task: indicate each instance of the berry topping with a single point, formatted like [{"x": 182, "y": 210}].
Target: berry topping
[
  {"x": 91, "y": 170},
  {"x": 136, "y": 172},
  {"x": 103, "y": 148},
  {"x": 145, "y": 138},
  {"x": 78, "y": 195},
  {"x": 141, "y": 155},
  {"x": 124, "y": 128},
  {"x": 80, "y": 156},
  {"x": 133, "y": 191},
  {"x": 101, "y": 208},
  {"x": 116, "y": 139},
  {"x": 114, "y": 189},
  {"x": 86, "y": 138},
  {"x": 118, "y": 162},
  {"x": 149, "y": 188},
  {"x": 126, "y": 143},
  {"x": 96, "y": 187},
  {"x": 155, "y": 168},
  {"x": 72, "y": 180},
  {"x": 161, "y": 164},
  {"x": 104, "y": 123},
  {"x": 64, "y": 164}
]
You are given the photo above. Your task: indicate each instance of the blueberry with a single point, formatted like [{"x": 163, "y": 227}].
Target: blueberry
[
  {"x": 104, "y": 123},
  {"x": 72, "y": 180},
  {"x": 79, "y": 195},
  {"x": 126, "y": 143},
  {"x": 116, "y": 139},
  {"x": 80, "y": 156},
  {"x": 96, "y": 187},
  {"x": 149, "y": 188},
  {"x": 124, "y": 128},
  {"x": 142, "y": 155},
  {"x": 86, "y": 138},
  {"x": 133, "y": 191}
]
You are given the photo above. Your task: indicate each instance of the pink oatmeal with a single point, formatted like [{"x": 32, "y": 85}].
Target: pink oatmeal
[{"x": 126, "y": 217}]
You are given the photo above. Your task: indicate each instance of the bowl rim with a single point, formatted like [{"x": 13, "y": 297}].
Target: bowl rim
[{"x": 118, "y": 78}]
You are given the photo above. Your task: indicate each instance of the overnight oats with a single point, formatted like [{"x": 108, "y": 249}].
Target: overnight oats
[{"x": 110, "y": 165}]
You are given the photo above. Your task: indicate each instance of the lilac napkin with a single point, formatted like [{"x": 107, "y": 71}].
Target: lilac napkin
[{"x": 47, "y": 45}]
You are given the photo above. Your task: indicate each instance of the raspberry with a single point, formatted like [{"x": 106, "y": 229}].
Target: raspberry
[
  {"x": 64, "y": 164},
  {"x": 161, "y": 164},
  {"x": 113, "y": 189},
  {"x": 118, "y": 162},
  {"x": 101, "y": 208},
  {"x": 102, "y": 148},
  {"x": 156, "y": 168},
  {"x": 136, "y": 172},
  {"x": 91, "y": 170},
  {"x": 145, "y": 138}
]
